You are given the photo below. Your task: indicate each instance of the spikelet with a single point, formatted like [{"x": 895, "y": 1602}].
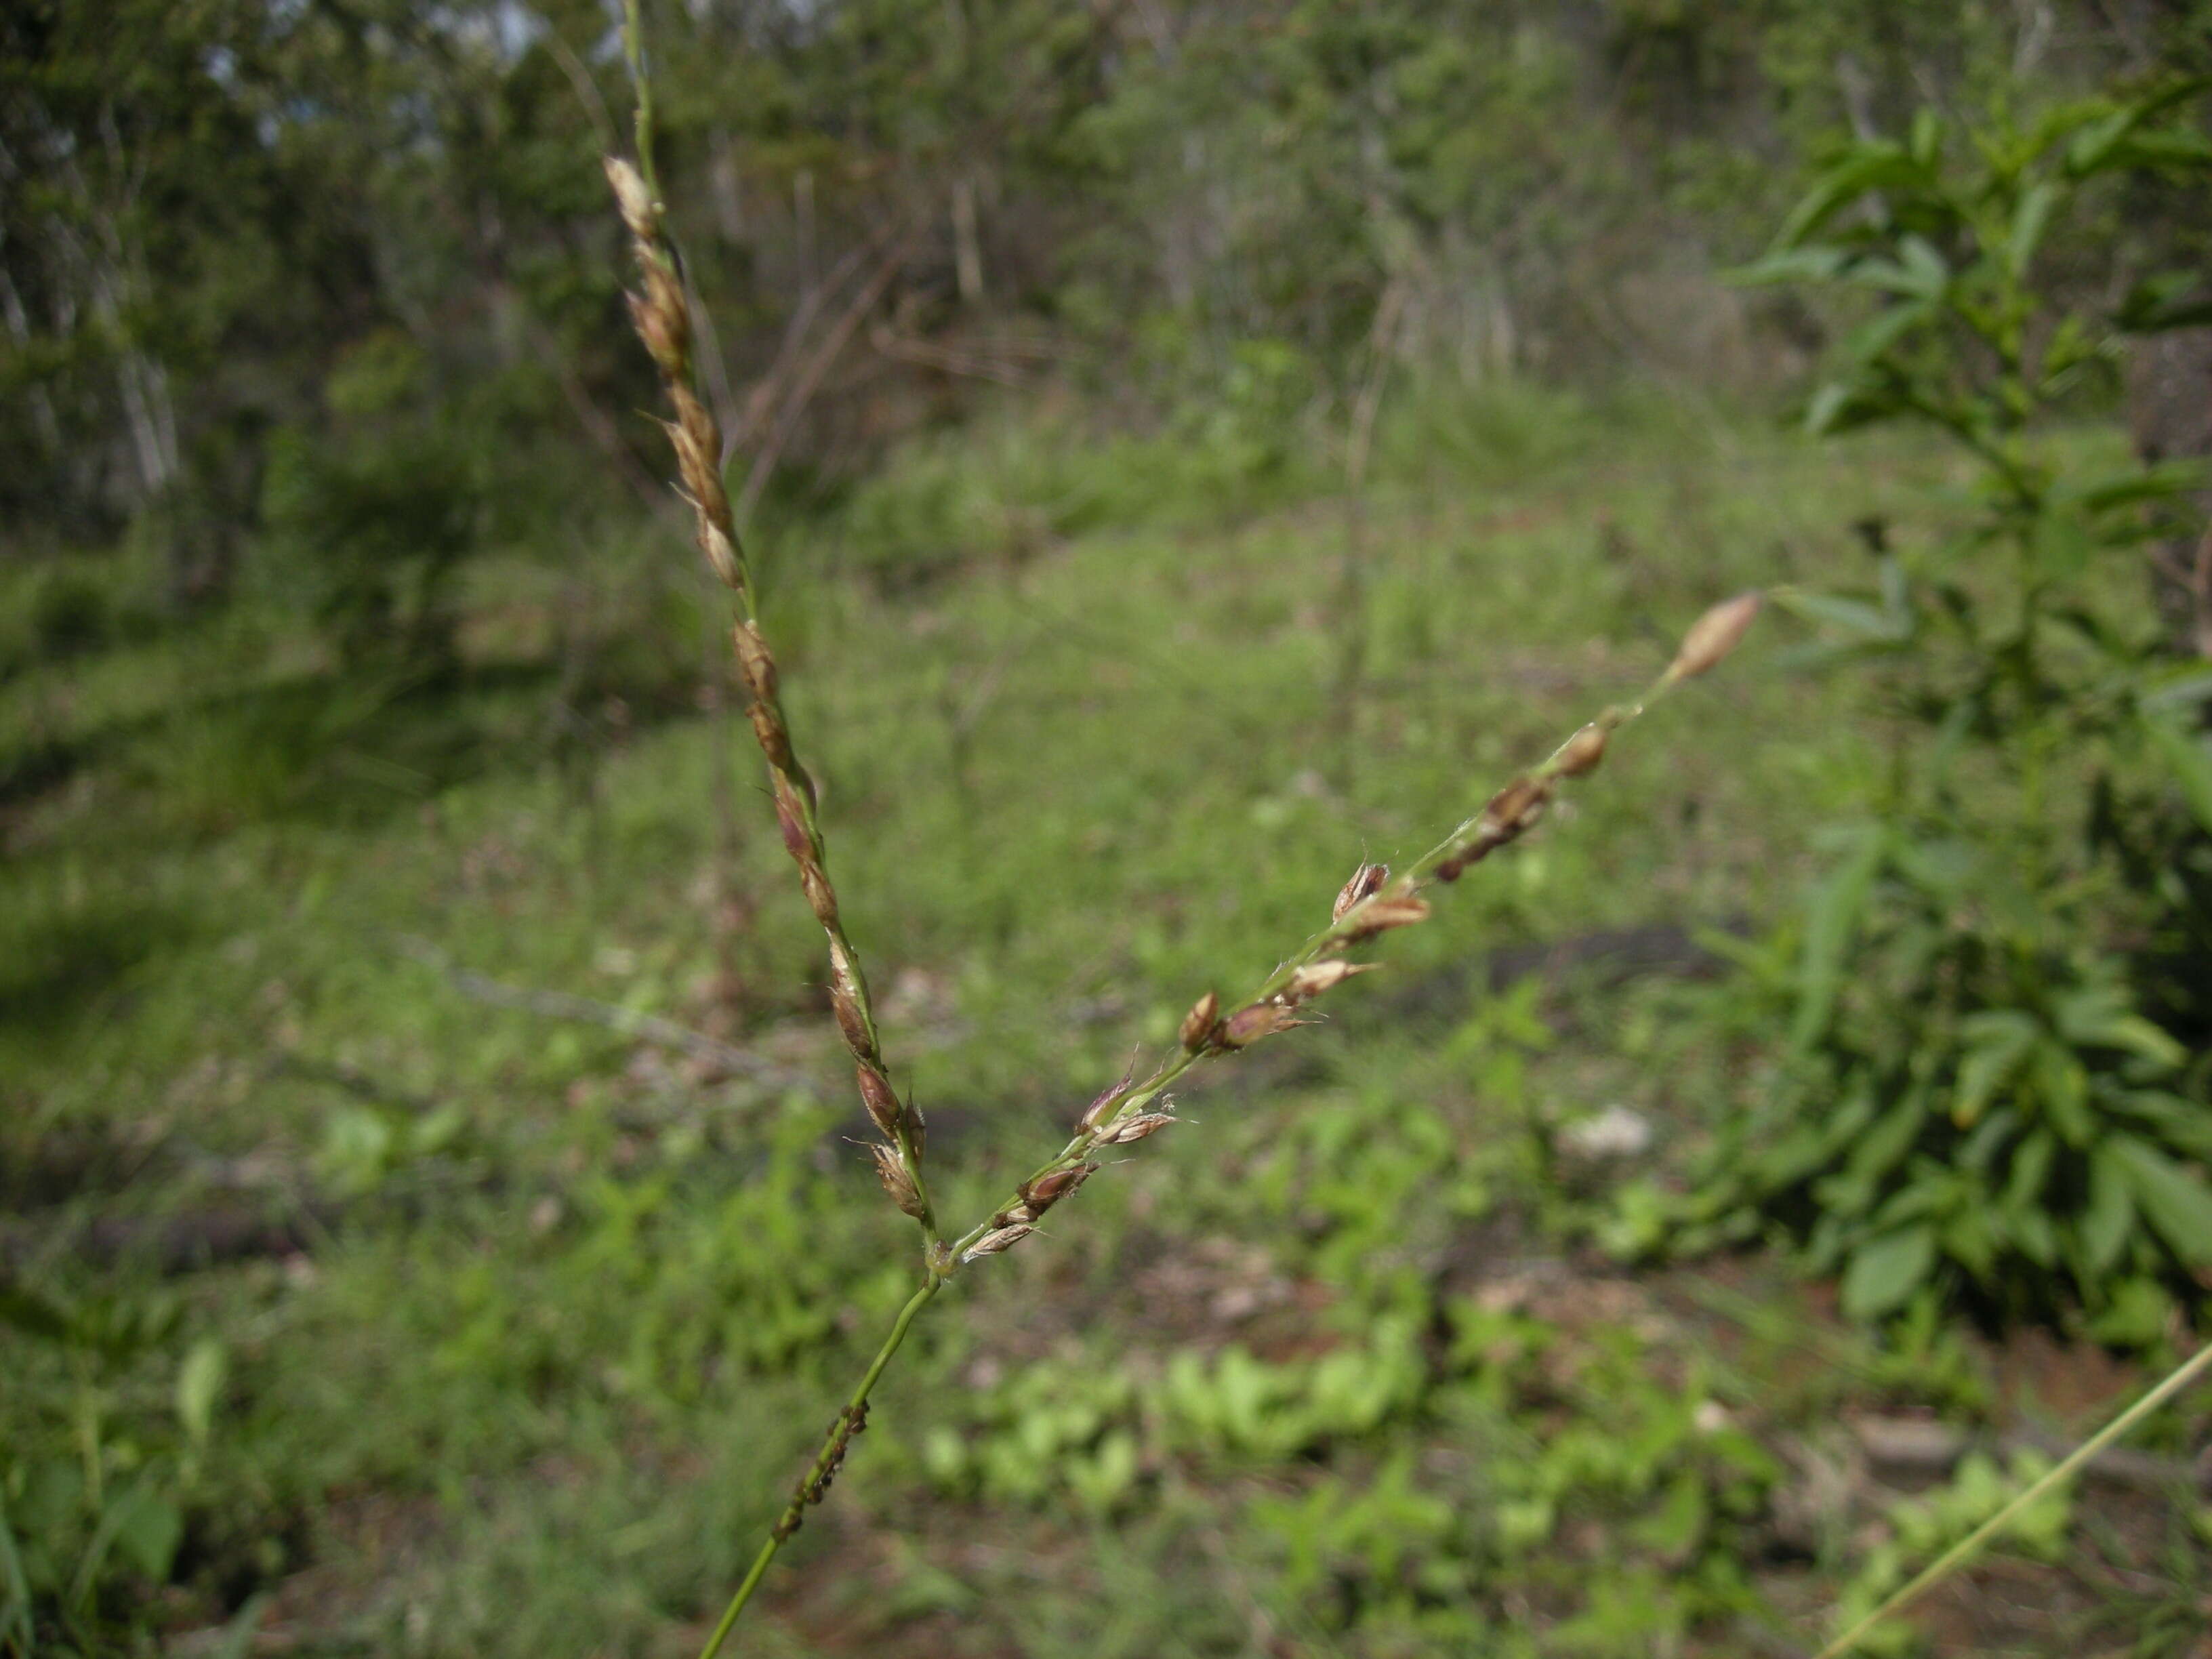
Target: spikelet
[{"x": 1713, "y": 636}]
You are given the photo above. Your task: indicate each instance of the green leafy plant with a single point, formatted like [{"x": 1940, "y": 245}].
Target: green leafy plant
[
  {"x": 1973, "y": 1100},
  {"x": 93, "y": 1510}
]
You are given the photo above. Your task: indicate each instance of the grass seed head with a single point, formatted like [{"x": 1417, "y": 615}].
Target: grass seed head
[
  {"x": 1713, "y": 636},
  {"x": 1198, "y": 1025}
]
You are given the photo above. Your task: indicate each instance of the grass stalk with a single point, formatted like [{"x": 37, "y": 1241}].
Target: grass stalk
[
  {"x": 1947, "y": 1563},
  {"x": 810, "y": 1490}
]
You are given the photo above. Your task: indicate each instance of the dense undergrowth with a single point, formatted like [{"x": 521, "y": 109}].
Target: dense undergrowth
[{"x": 367, "y": 1314}]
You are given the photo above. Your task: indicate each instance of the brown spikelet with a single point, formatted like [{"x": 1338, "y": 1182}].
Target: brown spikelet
[
  {"x": 896, "y": 1181},
  {"x": 663, "y": 340},
  {"x": 1366, "y": 881},
  {"x": 700, "y": 429},
  {"x": 820, "y": 897},
  {"x": 633, "y": 198},
  {"x": 1713, "y": 636},
  {"x": 1046, "y": 1190},
  {"x": 880, "y": 1098},
  {"x": 722, "y": 554},
  {"x": 1249, "y": 1025},
  {"x": 1135, "y": 1129},
  {"x": 1516, "y": 806},
  {"x": 774, "y": 741},
  {"x": 1579, "y": 755},
  {"x": 1381, "y": 914},
  {"x": 791, "y": 822},
  {"x": 1317, "y": 977},
  {"x": 753, "y": 663},
  {"x": 664, "y": 294},
  {"x": 1102, "y": 1101},
  {"x": 1198, "y": 1025},
  {"x": 998, "y": 1239},
  {"x": 847, "y": 1007}
]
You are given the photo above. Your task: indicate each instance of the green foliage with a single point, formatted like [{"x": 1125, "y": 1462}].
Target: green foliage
[
  {"x": 96, "y": 1479},
  {"x": 1003, "y": 493},
  {"x": 571, "y": 1306},
  {"x": 379, "y": 508},
  {"x": 1975, "y": 1102}
]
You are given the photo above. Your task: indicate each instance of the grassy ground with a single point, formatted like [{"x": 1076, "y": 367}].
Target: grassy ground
[{"x": 501, "y": 1331}]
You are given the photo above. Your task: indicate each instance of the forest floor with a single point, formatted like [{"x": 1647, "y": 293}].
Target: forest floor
[{"x": 417, "y": 1100}]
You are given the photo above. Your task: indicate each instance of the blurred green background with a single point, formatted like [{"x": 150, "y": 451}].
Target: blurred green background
[{"x": 1189, "y": 448}]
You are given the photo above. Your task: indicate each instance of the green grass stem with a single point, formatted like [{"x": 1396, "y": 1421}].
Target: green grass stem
[
  {"x": 787, "y": 1522},
  {"x": 1949, "y": 1562}
]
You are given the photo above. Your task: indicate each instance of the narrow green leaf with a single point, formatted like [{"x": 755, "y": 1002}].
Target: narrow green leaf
[
  {"x": 15, "y": 1611},
  {"x": 2163, "y": 481},
  {"x": 1926, "y": 145},
  {"x": 35, "y": 1315},
  {"x": 2167, "y": 299},
  {"x": 2098, "y": 148},
  {"x": 2030, "y": 217},
  {"x": 2110, "y": 1214},
  {"x": 2031, "y": 1167},
  {"x": 2178, "y": 1205},
  {"x": 1872, "y": 166},
  {"x": 1995, "y": 1050},
  {"x": 2178, "y": 690},
  {"x": 1831, "y": 924},
  {"x": 1854, "y": 617},
  {"x": 1817, "y": 262},
  {"x": 1886, "y": 1271},
  {"x": 2188, "y": 759},
  {"x": 199, "y": 1381},
  {"x": 151, "y": 1527}
]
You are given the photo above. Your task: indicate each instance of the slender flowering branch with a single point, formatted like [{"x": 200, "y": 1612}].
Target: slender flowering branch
[
  {"x": 662, "y": 315},
  {"x": 1371, "y": 903}
]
